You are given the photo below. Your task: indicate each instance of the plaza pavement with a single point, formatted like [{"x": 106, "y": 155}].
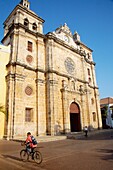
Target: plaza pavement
[{"x": 72, "y": 135}]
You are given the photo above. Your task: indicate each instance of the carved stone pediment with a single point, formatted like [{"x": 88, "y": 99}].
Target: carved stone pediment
[
  {"x": 64, "y": 29},
  {"x": 63, "y": 33}
]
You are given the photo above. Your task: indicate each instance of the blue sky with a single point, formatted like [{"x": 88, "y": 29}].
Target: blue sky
[{"x": 92, "y": 19}]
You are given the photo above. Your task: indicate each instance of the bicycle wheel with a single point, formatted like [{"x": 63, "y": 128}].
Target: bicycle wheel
[
  {"x": 37, "y": 157},
  {"x": 24, "y": 155}
]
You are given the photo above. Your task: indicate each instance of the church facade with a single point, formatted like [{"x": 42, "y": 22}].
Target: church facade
[{"x": 51, "y": 81}]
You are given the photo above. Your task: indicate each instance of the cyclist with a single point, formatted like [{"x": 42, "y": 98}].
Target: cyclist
[{"x": 30, "y": 142}]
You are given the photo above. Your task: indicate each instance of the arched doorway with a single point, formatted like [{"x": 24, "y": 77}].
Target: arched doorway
[{"x": 75, "y": 117}]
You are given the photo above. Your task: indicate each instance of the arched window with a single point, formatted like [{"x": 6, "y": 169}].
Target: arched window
[
  {"x": 94, "y": 116},
  {"x": 92, "y": 100},
  {"x": 89, "y": 80},
  {"x": 88, "y": 70},
  {"x": 34, "y": 27},
  {"x": 30, "y": 46},
  {"x": 26, "y": 22}
]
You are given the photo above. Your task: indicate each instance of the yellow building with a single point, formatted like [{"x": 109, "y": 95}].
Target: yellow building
[
  {"x": 51, "y": 82},
  {"x": 4, "y": 58}
]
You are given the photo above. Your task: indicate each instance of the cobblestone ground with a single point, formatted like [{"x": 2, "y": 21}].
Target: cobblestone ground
[{"x": 92, "y": 153}]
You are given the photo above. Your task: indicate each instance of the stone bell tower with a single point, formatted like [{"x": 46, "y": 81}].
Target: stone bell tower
[
  {"x": 23, "y": 30},
  {"x": 25, "y": 3}
]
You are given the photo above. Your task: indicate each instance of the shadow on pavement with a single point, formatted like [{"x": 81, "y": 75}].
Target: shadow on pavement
[
  {"x": 108, "y": 152},
  {"x": 100, "y": 137},
  {"x": 105, "y": 150},
  {"x": 108, "y": 157},
  {"x": 27, "y": 162},
  {"x": 12, "y": 157}
]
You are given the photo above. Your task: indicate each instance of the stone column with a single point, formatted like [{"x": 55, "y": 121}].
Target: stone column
[
  {"x": 10, "y": 105},
  {"x": 65, "y": 111},
  {"x": 98, "y": 111},
  {"x": 96, "y": 95},
  {"x": 49, "y": 87}
]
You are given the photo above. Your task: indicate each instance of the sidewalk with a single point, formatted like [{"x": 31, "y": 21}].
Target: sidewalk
[
  {"x": 80, "y": 135},
  {"x": 71, "y": 135},
  {"x": 43, "y": 138}
]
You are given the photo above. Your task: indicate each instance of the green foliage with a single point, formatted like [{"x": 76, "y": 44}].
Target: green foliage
[
  {"x": 2, "y": 109},
  {"x": 104, "y": 111}
]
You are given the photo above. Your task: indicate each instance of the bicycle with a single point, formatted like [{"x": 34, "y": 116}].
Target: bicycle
[{"x": 35, "y": 155}]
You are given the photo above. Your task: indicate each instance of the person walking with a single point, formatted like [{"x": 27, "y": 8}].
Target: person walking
[{"x": 86, "y": 131}]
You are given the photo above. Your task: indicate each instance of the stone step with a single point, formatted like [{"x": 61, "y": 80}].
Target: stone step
[
  {"x": 43, "y": 138},
  {"x": 50, "y": 138}
]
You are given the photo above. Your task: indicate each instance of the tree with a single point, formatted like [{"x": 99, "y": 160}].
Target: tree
[{"x": 104, "y": 111}]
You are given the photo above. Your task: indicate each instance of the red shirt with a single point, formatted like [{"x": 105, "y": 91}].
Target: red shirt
[{"x": 29, "y": 140}]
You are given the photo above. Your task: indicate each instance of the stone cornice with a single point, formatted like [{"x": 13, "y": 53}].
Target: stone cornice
[
  {"x": 94, "y": 87},
  {"x": 40, "y": 81},
  {"x": 19, "y": 25},
  {"x": 85, "y": 46},
  {"x": 50, "y": 71},
  {"x": 69, "y": 77},
  {"x": 25, "y": 66},
  {"x": 62, "y": 43},
  {"x": 21, "y": 7},
  {"x": 64, "y": 75},
  {"x": 90, "y": 62},
  {"x": 43, "y": 71},
  {"x": 20, "y": 64},
  {"x": 69, "y": 91},
  {"x": 14, "y": 76}
]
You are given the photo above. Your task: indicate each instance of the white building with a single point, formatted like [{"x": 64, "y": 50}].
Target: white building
[{"x": 107, "y": 104}]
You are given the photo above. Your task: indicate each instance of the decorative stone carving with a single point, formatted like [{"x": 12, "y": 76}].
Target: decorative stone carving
[
  {"x": 64, "y": 84},
  {"x": 69, "y": 65},
  {"x": 64, "y": 29},
  {"x": 76, "y": 37},
  {"x": 29, "y": 59},
  {"x": 63, "y": 33},
  {"x": 28, "y": 90}
]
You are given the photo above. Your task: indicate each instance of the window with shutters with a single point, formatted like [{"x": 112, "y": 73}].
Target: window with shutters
[
  {"x": 89, "y": 80},
  {"x": 88, "y": 70},
  {"x": 94, "y": 116},
  {"x": 30, "y": 46},
  {"x": 28, "y": 115}
]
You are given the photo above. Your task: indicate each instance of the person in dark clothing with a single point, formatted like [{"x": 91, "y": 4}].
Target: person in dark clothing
[{"x": 86, "y": 131}]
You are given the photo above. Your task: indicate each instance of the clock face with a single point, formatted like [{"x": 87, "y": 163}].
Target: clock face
[
  {"x": 66, "y": 38},
  {"x": 69, "y": 65}
]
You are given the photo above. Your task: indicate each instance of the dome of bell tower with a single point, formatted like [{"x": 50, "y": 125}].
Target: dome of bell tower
[{"x": 25, "y": 3}]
